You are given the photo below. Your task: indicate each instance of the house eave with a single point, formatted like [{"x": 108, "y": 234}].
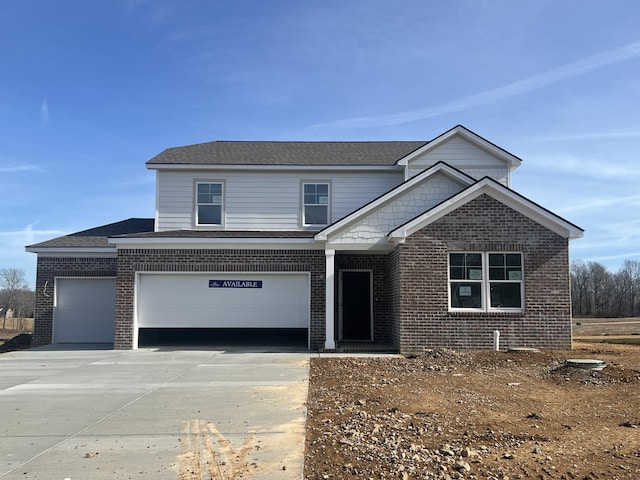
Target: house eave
[
  {"x": 373, "y": 247},
  {"x": 88, "y": 252},
  {"x": 193, "y": 167},
  {"x": 217, "y": 243}
]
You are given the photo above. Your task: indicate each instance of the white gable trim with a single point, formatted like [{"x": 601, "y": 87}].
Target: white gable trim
[
  {"x": 499, "y": 192},
  {"x": 439, "y": 167},
  {"x": 471, "y": 137}
]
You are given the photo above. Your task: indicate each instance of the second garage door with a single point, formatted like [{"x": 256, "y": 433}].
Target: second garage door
[
  {"x": 84, "y": 310},
  {"x": 214, "y": 300}
]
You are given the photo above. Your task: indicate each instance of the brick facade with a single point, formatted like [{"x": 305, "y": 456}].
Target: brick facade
[
  {"x": 131, "y": 261},
  {"x": 410, "y": 284},
  {"x": 418, "y": 269},
  {"x": 47, "y": 270}
]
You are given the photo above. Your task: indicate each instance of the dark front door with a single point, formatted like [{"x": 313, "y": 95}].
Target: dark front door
[{"x": 356, "y": 305}]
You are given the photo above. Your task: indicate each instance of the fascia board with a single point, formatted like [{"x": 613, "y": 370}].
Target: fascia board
[
  {"x": 217, "y": 243},
  {"x": 459, "y": 130},
  {"x": 502, "y": 194},
  {"x": 439, "y": 167},
  {"x": 307, "y": 168},
  {"x": 537, "y": 213},
  {"x": 72, "y": 251},
  {"x": 377, "y": 247}
]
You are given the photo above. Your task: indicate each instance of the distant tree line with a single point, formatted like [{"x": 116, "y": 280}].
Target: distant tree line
[
  {"x": 15, "y": 295},
  {"x": 597, "y": 292}
]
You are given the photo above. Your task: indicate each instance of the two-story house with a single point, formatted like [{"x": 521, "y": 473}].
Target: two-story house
[{"x": 404, "y": 245}]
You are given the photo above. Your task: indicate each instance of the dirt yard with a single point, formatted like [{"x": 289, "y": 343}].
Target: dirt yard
[
  {"x": 476, "y": 415},
  {"x": 16, "y": 333}
]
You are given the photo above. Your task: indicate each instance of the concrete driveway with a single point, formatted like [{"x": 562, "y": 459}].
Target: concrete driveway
[{"x": 152, "y": 413}]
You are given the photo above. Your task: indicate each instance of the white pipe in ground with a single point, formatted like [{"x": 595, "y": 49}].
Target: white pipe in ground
[{"x": 496, "y": 340}]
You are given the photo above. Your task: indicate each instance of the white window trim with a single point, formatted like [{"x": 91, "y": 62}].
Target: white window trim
[
  {"x": 485, "y": 298},
  {"x": 302, "y": 204},
  {"x": 213, "y": 226}
]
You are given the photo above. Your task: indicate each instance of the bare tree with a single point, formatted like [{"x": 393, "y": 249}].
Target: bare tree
[
  {"x": 600, "y": 282},
  {"x": 631, "y": 273},
  {"x": 595, "y": 291},
  {"x": 579, "y": 287},
  {"x": 13, "y": 286}
]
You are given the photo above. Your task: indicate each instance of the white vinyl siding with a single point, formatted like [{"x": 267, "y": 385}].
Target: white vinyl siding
[
  {"x": 464, "y": 156},
  {"x": 259, "y": 200}
]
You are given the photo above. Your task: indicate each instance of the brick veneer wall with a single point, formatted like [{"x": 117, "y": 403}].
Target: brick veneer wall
[
  {"x": 48, "y": 268},
  {"x": 131, "y": 261},
  {"x": 378, "y": 264},
  {"x": 421, "y": 315}
]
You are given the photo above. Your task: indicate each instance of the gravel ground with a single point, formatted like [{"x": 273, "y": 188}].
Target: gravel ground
[{"x": 475, "y": 415}]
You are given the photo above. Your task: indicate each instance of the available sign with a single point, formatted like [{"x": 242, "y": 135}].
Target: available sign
[{"x": 235, "y": 283}]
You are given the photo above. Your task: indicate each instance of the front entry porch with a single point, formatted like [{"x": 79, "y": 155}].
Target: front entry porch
[{"x": 357, "y": 303}]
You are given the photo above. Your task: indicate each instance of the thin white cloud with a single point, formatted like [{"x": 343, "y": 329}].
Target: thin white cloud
[
  {"x": 609, "y": 135},
  {"x": 614, "y": 259},
  {"x": 601, "y": 203},
  {"x": 17, "y": 168},
  {"x": 28, "y": 234},
  {"x": 520, "y": 87},
  {"x": 44, "y": 113},
  {"x": 586, "y": 167},
  {"x": 622, "y": 256},
  {"x": 152, "y": 13}
]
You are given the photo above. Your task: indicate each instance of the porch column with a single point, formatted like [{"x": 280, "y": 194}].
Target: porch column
[{"x": 329, "y": 342}]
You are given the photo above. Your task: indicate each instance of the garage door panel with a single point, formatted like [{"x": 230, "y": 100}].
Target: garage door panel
[
  {"x": 84, "y": 310},
  {"x": 187, "y": 301}
]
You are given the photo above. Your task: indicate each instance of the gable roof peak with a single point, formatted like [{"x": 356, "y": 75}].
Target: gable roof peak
[{"x": 461, "y": 131}]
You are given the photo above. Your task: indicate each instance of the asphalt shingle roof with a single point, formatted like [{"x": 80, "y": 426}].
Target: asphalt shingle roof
[
  {"x": 287, "y": 153},
  {"x": 143, "y": 228},
  {"x": 98, "y": 236}
]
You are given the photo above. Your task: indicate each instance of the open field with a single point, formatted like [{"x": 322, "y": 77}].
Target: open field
[
  {"x": 11, "y": 327},
  {"x": 607, "y": 330}
]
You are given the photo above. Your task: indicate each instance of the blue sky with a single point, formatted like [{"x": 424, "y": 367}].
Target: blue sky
[{"x": 91, "y": 90}]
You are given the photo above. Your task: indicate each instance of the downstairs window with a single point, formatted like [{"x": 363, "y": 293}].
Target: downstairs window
[{"x": 486, "y": 281}]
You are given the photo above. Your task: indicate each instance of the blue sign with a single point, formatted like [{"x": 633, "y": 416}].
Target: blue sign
[{"x": 235, "y": 283}]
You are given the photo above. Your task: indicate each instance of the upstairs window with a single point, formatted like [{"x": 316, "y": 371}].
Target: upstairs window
[
  {"x": 486, "y": 281},
  {"x": 315, "y": 204},
  {"x": 209, "y": 203}
]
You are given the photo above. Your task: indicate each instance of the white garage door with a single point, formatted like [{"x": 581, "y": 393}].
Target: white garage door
[
  {"x": 84, "y": 310},
  {"x": 217, "y": 300}
]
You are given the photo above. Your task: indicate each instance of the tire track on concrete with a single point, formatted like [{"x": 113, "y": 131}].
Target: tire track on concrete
[{"x": 206, "y": 451}]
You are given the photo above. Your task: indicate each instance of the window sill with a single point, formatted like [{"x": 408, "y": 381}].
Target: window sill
[{"x": 486, "y": 312}]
